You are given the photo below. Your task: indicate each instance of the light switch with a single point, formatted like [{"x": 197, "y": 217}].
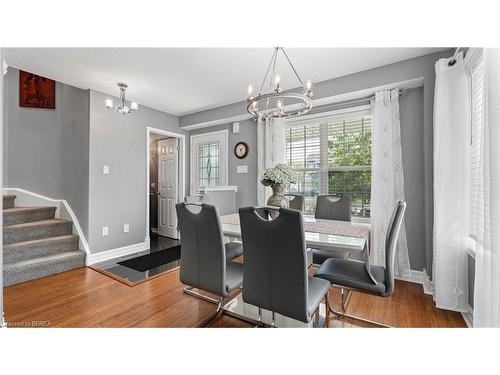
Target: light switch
[
  {"x": 242, "y": 169},
  {"x": 126, "y": 228},
  {"x": 105, "y": 169},
  {"x": 105, "y": 231}
]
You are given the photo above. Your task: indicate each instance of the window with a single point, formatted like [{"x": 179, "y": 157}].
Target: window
[
  {"x": 208, "y": 160},
  {"x": 332, "y": 156},
  {"x": 208, "y": 165},
  {"x": 476, "y": 77}
]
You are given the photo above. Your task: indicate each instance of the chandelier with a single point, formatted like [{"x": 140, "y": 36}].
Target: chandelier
[
  {"x": 273, "y": 102},
  {"x": 123, "y": 106}
]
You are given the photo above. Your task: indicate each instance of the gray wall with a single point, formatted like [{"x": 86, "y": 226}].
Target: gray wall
[
  {"x": 47, "y": 151},
  {"x": 416, "y": 123},
  {"x": 412, "y": 145},
  {"x": 120, "y": 197},
  {"x": 246, "y": 182}
]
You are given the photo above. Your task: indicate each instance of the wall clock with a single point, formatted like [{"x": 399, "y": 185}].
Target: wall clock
[{"x": 241, "y": 150}]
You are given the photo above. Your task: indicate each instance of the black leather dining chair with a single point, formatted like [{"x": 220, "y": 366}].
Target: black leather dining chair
[
  {"x": 275, "y": 274},
  {"x": 332, "y": 207},
  {"x": 295, "y": 201},
  {"x": 234, "y": 249},
  {"x": 204, "y": 264},
  {"x": 360, "y": 275}
]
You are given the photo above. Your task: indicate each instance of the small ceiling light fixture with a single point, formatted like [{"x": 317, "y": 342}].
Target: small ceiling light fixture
[
  {"x": 271, "y": 103},
  {"x": 122, "y": 107}
]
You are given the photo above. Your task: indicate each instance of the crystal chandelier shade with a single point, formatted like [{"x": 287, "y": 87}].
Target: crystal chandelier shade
[{"x": 123, "y": 107}]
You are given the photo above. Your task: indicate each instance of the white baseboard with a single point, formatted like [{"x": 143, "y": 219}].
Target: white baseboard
[
  {"x": 118, "y": 252},
  {"x": 418, "y": 277},
  {"x": 468, "y": 318}
]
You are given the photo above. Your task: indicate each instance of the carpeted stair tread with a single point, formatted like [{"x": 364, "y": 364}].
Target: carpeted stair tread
[
  {"x": 19, "y": 215},
  {"x": 19, "y": 272},
  {"x": 26, "y": 250},
  {"x": 39, "y": 222},
  {"x": 36, "y": 230}
]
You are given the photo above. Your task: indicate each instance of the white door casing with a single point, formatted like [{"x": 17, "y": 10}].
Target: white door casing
[
  {"x": 221, "y": 139},
  {"x": 168, "y": 185}
]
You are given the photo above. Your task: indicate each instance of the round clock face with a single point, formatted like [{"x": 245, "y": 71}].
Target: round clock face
[{"x": 241, "y": 150}]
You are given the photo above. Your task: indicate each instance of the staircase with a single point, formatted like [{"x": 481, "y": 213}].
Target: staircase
[{"x": 36, "y": 244}]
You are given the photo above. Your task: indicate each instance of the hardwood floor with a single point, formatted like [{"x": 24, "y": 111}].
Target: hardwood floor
[{"x": 87, "y": 298}]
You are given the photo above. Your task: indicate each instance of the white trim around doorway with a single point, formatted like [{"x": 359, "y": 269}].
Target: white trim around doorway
[{"x": 182, "y": 167}]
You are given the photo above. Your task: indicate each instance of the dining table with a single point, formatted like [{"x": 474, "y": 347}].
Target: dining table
[{"x": 333, "y": 235}]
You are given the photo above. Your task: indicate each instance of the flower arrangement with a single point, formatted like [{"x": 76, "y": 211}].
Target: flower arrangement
[{"x": 280, "y": 174}]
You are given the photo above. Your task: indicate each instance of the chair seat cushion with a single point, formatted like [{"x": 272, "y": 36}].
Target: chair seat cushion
[
  {"x": 319, "y": 256},
  {"x": 234, "y": 275},
  {"x": 316, "y": 291},
  {"x": 233, "y": 250},
  {"x": 352, "y": 274}
]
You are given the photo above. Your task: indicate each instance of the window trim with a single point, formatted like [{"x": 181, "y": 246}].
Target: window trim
[
  {"x": 331, "y": 116},
  {"x": 472, "y": 60},
  {"x": 198, "y": 139},
  {"x": 336, "y": 115}
]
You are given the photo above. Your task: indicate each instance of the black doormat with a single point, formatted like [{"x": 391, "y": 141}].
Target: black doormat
[{"x": 149, "y": 261}]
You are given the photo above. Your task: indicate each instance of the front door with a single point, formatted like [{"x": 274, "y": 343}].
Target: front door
[{"x": 168, "y": 182}]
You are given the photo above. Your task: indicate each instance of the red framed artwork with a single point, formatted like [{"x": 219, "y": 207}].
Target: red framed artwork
[{"x": 36, "y": 91}]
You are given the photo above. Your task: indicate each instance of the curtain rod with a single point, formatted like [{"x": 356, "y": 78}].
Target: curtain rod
[
  {"x": 453, "y": 59},
  {"x": 402, "y": 92}
]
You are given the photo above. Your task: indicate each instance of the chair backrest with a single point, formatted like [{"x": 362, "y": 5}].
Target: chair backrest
[
  {"x": 200, "y": 198},
  {"x": 333, "y": 207},
  {"x": 203, "y": 255},
  {"x": 391, "y": 242},
  {"x": 295, "y": 201},
  {"x": 275, "y": 265}
]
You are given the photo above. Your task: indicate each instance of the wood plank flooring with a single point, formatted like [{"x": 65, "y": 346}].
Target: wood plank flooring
[{"x": 87, "y": 298}]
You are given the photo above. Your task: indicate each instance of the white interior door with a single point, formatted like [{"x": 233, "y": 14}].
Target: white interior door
[{"x": 168, "y": 186}]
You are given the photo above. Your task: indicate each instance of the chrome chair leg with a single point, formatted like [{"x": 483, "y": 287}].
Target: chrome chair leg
[
  {"x": 327, "y": 307},
  {"x": 190, "y": 290},
  {"x": 343, "y": 314},
  {"x": 214, "y": 314},
  {"x": 259, "y": 318}
]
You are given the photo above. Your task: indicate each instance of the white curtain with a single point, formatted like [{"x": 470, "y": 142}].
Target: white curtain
[
  {"x": 387, "y": 178},
  {"x": 271, "y": 150},
  {"x": 451, "y": 185},
  {"x": 487, "y": 283}
]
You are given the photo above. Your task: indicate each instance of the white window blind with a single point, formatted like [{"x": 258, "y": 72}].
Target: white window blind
[
  {"x": 477, "y": 123},
  {"x": 332, "y": 156}
]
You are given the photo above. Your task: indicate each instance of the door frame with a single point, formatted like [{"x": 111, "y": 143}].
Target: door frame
[{"x": 181, "y": 167}]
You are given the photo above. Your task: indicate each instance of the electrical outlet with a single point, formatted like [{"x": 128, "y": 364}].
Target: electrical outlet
[
  {"x": 126, "y": 228},
  {"x": 236, "y": 127},
  {"x": 105, "y": 169},
  {"x": 105, "y": 231}
]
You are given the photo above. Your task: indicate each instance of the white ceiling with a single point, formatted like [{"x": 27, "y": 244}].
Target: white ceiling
[{"x": 186, "y": 80}]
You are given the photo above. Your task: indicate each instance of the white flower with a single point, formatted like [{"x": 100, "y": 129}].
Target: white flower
[{"x": 281, "y": 174}]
